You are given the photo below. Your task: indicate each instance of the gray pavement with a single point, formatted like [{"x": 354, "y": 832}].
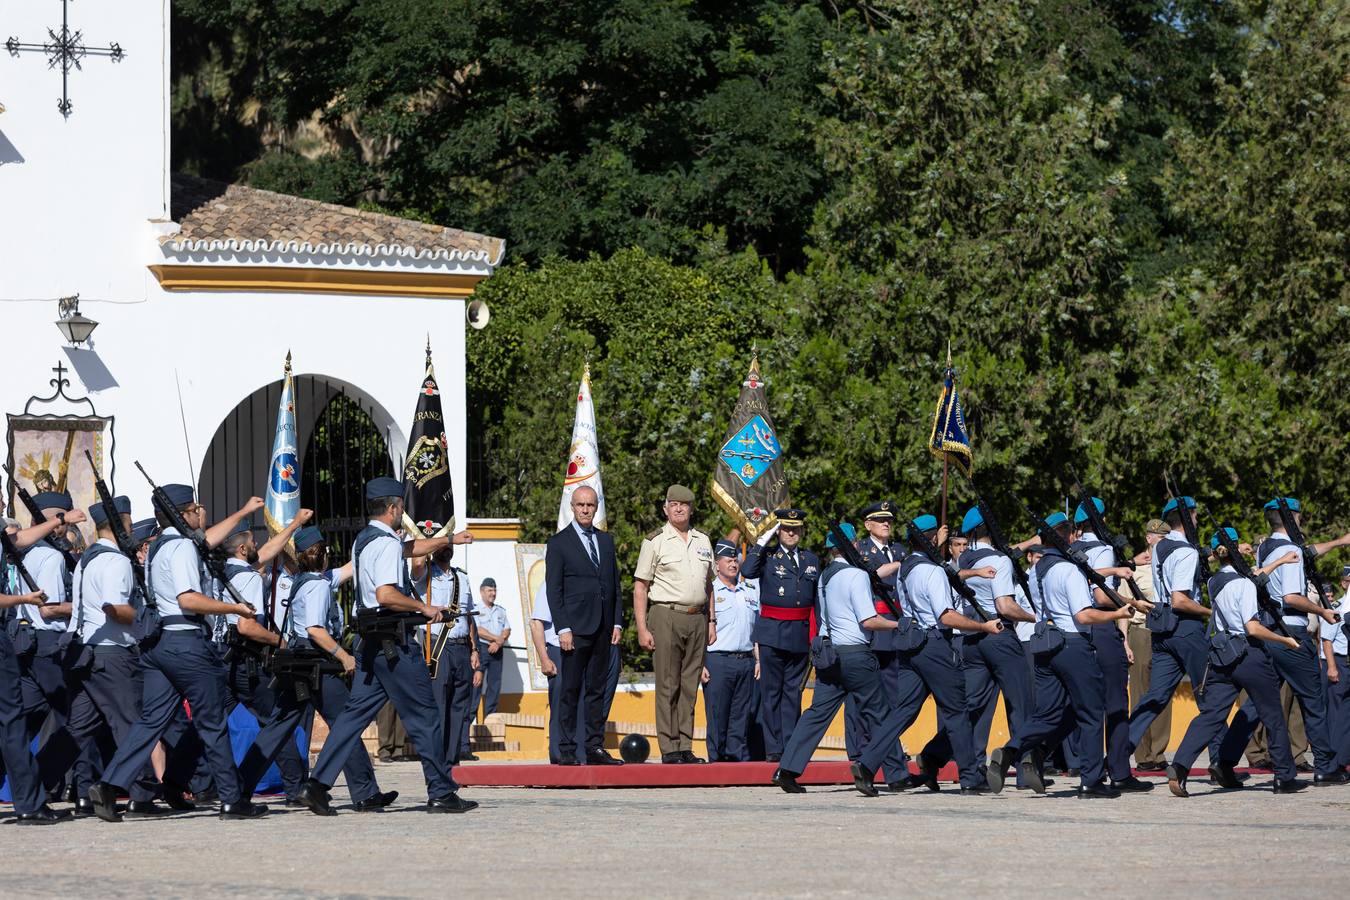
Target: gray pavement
[{"x": 708, "y": 842}]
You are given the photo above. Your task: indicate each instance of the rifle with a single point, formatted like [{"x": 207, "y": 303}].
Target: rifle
[
  {"x": 120, "y": 534},
  {"x": 1263, "y": 598},
  {"x": 16, "y": 559},
  {"x": 391, "y": 626},
  {"x": 1001, "y": 545},
  {"x": 1074, "y": 556},
  {"x": 1309, "y": 553},
  {"x": 1188, "y": 526},
  {"x": 305, "y": 666},
  {"x": 56, "y": 539},
  {"x": 1116, "y": 542},
  {"x": 880, "y": 590},
  {"x": 927, "y": 548}
]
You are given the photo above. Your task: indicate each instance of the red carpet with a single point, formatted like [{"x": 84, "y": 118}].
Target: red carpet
[{"x": 658, "y": 775}]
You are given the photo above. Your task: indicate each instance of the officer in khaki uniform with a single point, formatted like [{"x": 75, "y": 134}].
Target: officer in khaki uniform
[{"x": 672, "y": 593}]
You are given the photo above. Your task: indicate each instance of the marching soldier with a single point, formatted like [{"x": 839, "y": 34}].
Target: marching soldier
[
  {"x": 382, "y": 583},
  {"x": 787, "y": 575},
  {"x": 731, "y": 664},
  {"x": 455, "y": 660},
  {"x": 1237, "y": 618},
  {"x": 1334, "y": 651}
]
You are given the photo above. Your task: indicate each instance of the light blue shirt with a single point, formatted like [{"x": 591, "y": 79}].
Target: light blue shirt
[
  {"x": 106, "y": 580},
  {"x": 736, "y": 610},
  {"x": 313, "y": 607},
  {"x": 1103, "y": 557},
  {"x": 928, "y": 594},
  {"x": 1235, "y": 606},
  {"x": 1178, "y": 572},
  {"x": 493, "y": 617},
  {"x": 543, "y": 614},
  {"x": 847, "y": 603},
  {"x": 1336, "y": 633},
  {"x": 1065, "y": 593},
  {"x": 249, "y": 582},
  {"x": 48, "y": 568},
  {"x": 175, "y": 570},
  {"x": 987, "y": 590},
  {"x": 1025, "y": 629},
  {"x": 380, "y": 563},
  {"x": 1287, "y": 579},
  {"x": 442, "y": 588},
  {"x": 587, "y": 539}
]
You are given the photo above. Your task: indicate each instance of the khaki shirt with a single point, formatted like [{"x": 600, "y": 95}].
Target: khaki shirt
[
  {"x": 1143, "y": 576},
  {"x": 679, "y": 571}
]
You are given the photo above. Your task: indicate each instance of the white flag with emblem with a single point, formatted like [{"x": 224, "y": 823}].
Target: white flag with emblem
[{"x": 583, "y": 458}]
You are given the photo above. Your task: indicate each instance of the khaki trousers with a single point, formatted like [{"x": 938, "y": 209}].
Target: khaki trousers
[
  {"x": 1298, "y": 736},
  {"x": 1152, "y": 747},
  {"x": 677, "y": 663},
  {"x": 394, "y": 740}
]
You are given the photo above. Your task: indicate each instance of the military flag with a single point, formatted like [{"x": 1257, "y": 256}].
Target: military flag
[
  {"x": 428, "y": 495},
  {"x": 748, "y": 479},
  {"x": 283, "y": 478},
  {"x": 949, "y": 441},
  {"x": 583, "y": 458}
]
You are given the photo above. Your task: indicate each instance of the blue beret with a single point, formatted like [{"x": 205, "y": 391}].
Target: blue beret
[
  {"x": 924, "y": 523},
  {"x": 1292, "y": 501},
  {"x": 1055, "y": 519},
  {"x": 849, "y": 532},
  {"x": 244, "y": 527},
  {"x": 1345, "y": 571},
  {"x": 121, "y": 504},
  {"x": 54, "y": 500},
  {"x": 307, "y": 537},
  {"x": 1232, "y": 536},
  {"x": 1172, "y": 504},
  {"x": 1081, "y": 514},
  {"x": 180, "y": 495},
  {"x": 488, "y": 582},
  {"x": 143, "y": 530},
  {"x": 726, "y": 548},
  {"x": 883, "y": 510},
  {"x": 972, "y": 520},
  {"x": 383, "y": 486}
]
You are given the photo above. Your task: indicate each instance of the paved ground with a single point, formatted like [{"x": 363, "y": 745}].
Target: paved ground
[{"x": 708, "y": 842}]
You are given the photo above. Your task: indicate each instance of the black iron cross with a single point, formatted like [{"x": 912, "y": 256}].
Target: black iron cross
[{"x": 65, "y": 49}]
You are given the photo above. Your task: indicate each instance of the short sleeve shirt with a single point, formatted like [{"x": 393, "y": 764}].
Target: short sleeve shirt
[
  {"x": 175, "y": 570},
  {"x": 847, "y": 603},
  {"x": 1066, "y": 594},
  {"x": 929, "y": 594},
  {"x": 679, "y": 570},
  {"x": 381, "y": 563},
  {"x": 105, "y": 580},
  {"x": 48, "y": 568},
  {"x": 736, "y": 609},
  {"x": 493, "y": 618},
  {"x": 442, "y": 586},
  {"x": 1236, "y": 606}
]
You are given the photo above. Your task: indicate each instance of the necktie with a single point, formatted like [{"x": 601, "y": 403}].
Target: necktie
[
  {"x": 889, "y": 558},
  {"x": 590, "y": 547}
]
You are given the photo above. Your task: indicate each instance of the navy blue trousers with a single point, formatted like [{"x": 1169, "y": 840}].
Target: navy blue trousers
[
  {"x": 1109, "y": 643},
  {"x": 898, "y": 685},
  {"x": 932, "y": 670},
  {"x": 1255, "y": 674},
  {"x": 46, "y": 702},
  {"x": 289, "y": 713},
  {"x": 555, "y": 705},
  {"x": 404, "y": 680},
  {"x": 857, "y": 678},
  {"x": 20, "y": 767},
  {"x": 108, "y": 697},
  {"x": 728, "y": 699},
  {"x": 1070, "y": 697},
  {"x": 1338, "y": 710},
  {"x": 780, "y": 694},
  {"x": 490, "y": 691},
  {"x": 1302, "y": 671},
  {"x": 454, "y": 697},
  {"x": 1179, "y": 653},
  {"x": 249, "y": 686},
  {"x": 182, "y": 664}
]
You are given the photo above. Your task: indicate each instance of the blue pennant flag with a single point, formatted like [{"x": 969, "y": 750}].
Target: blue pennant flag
[
  {"x": 949, "y": 440},
  {"x": 283, "y": 475}
]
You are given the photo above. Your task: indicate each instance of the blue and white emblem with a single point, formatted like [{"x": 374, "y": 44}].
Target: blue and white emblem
[{"x": 751, "y": 451}]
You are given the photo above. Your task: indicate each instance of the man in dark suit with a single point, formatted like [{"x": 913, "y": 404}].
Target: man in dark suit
[{"x": 582, "y": 577}]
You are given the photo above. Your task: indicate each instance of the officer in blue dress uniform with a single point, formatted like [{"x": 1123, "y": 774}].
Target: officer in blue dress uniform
[
  {"x": 787, "y": 575},
  {"x": 1236, "y": 618},
  {"x": 730, "y": 665},
  {"x": 933, "y": 669},
  {"x": 1108, "y": 640},
  {"x": 846, "y": 612},
  {"x": 382, "y": 581},
  {"x": 1298, "y": 668},
  {"x": 1070, "y": 692},
  {"x": 180, "y": 662}
]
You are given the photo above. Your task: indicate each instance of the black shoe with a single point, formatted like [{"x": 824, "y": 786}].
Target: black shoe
[
  {"x": 375, "y": 802},
  {"x": 977, "y": 789},
  {"x": 1029, "y": 769},
  {"x": 45, "y": 815},
  {"x": 572, "y": 761},
  {"x": 1260, "y": 764},
  {"x": 1340, "y": 776},
  {"x": 997, "y": 770},
  {"x": 863, "y": 778},
  {"x": 1304, "y": 768},
  {"x": 898, "y": 787},
  {"x": 1132, "y": 785},
  {"x": 787, "y": 782},
  {"x": 178, "y": 803},
  {"x": 1048, "y": 782},
  {"x": 206, "y": 797},
  {"x": 1100, "y": 790},
  {"x": 1288, "y": 787},
  {"x": 468, "y": 757},
  {"x": 244, "y": 809},
  {"x": 450, "y": 803},
  {"x": 103, "y": 796},
  {"x": 601, "y": 758},
  {"x": 772, "y": 757},
  {"x": 929, "y": 771},
  {"x": 84, "y": 807},
  {"x": 1152, "y": 766},
  {"x": 1176, "y": 781},
  {"x": 294, "y": 803},
  {"x": 145, "y": 809},
  {"x": 315, "y": 796},
  {"x": 675, "y": 758},
  {"x": 689, "y": 757},
  {"x": 1222, "y": 775}
]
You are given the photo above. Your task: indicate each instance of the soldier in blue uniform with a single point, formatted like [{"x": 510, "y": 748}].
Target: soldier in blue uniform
[
  {"x": 787, "y": 575},
  {"x": 456, "y": 661},
  {"x": 382, "y": 581},
  {"x": 1337, "y": 671},
  {"x": 730, "y": 665},
  {"x": 1108, "y": 640},
  {"x": 1236, "y": 620}
]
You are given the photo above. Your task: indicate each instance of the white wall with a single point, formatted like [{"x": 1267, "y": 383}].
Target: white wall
[{"x": 497, "y": 559}]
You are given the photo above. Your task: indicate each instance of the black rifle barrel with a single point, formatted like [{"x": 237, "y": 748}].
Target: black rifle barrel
[
  {"x": 1059, "y": 543},
  {"x": 1295, "y": 533},
  {"x": 1103, "y": 533},
  {"x": 1002, "y": 546},
  {"x": 56, "y": 539}
]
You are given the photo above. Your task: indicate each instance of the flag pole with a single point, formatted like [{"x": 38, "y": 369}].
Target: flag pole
[{"x": 946, "y": 458}]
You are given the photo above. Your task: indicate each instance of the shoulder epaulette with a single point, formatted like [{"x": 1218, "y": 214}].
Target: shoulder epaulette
[{"x": 654, "y": 535}]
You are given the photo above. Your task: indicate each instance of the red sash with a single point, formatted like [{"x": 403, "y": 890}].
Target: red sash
[{"x": 786, "y": 613}]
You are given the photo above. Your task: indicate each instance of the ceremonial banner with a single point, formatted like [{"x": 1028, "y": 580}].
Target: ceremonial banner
[
  {"x": 283, "y": 479},
  {"x": 949, "y": 440},
  {"x": 428, "y": 495},
  {"x": 748, "y": 477},
  {"x": 583, "y": 458}
]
